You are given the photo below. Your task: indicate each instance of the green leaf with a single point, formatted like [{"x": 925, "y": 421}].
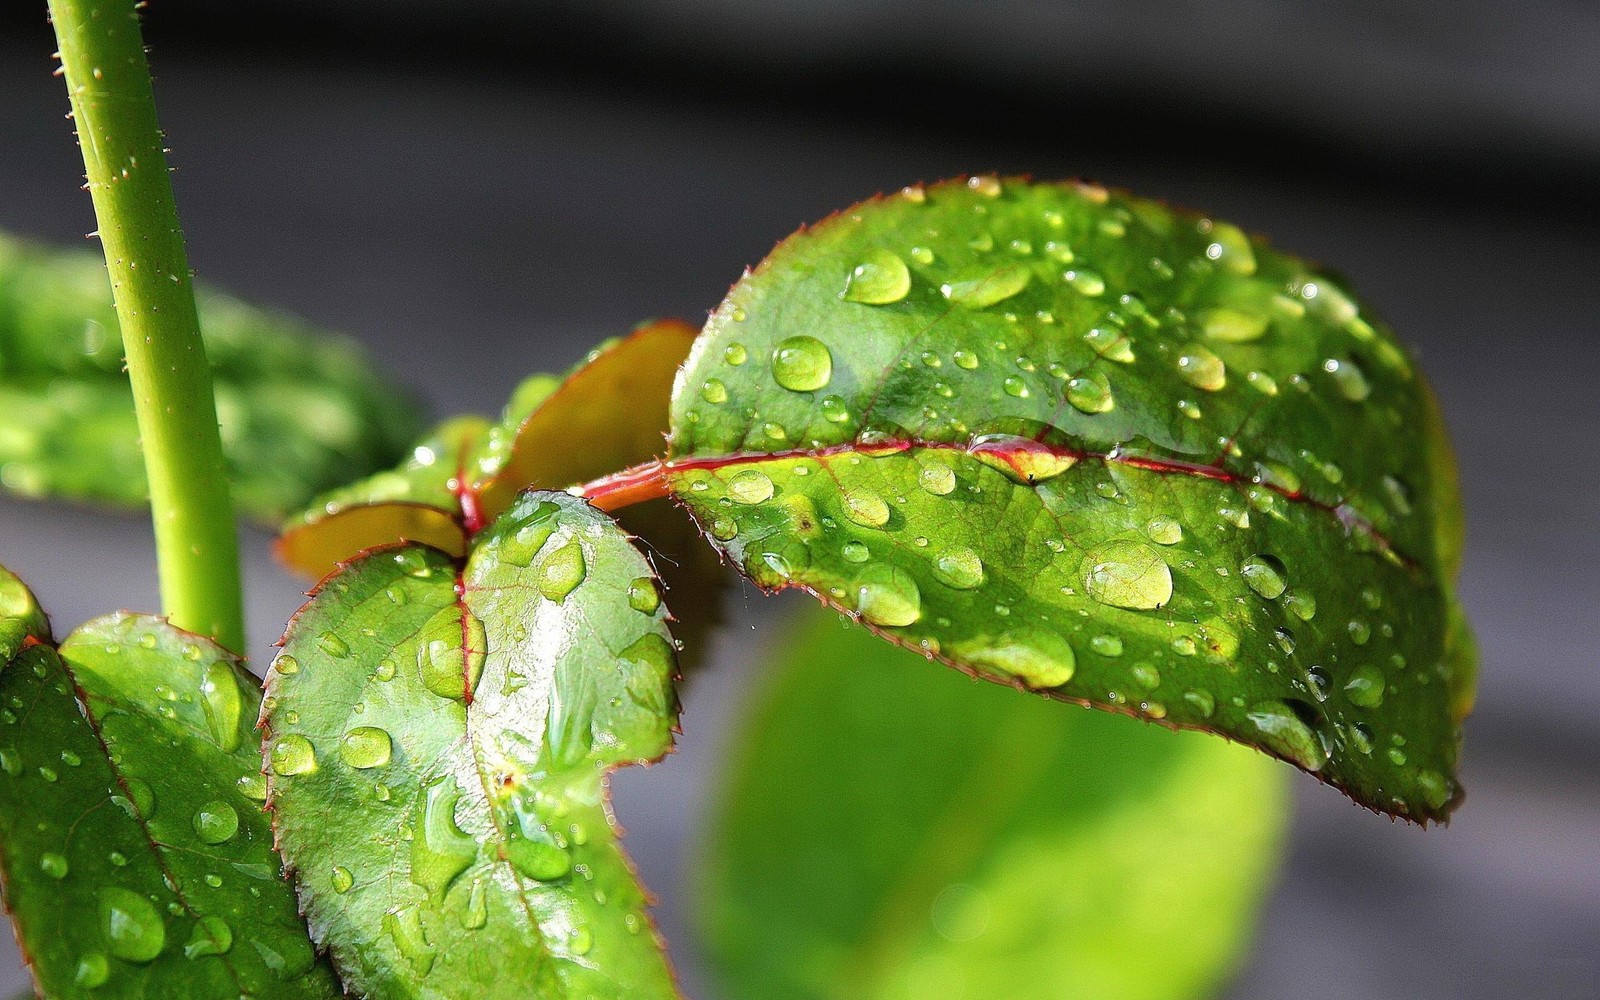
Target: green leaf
[
  {"x": 301, "y": 411},
  {"x": 137, "y": 859},
  {"x": 439, "y": 737},
  {"x": 609, "y": 412},
  {"x": 1081, "y": 443},
  {"x": 887, "y": 832}
]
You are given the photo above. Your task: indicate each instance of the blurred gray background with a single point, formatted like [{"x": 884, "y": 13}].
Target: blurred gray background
[{"x": 480, "y": 191}]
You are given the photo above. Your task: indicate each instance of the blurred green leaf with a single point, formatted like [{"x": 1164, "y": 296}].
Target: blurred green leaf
[
  {"x": 889, "y": 832},
  {"x": 137, "y": 859},
  {"x": 1082, "y": 443},
  {"x": 301, "y": 411},
  {"x": 439, "y": 739}
]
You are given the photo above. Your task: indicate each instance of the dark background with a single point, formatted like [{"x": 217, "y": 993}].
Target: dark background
[{"x": 482, "y": 190}]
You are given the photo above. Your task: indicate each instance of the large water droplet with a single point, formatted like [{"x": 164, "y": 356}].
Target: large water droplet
[
  {"x": 985, "y": 290},
  {"x": 519, "y": 548},
  {"x": 1126, "y": 573},
  {"x": 447, "y": 668},
  {"x": 333, "y": 645},
  {"x": 219, "y": 696},
  {"x": 54, "y": 865},
  {"x": 1201, "y": 368},
  {"x": 1265, "y": 575},
  {"x": 440, "y": 852},
  {"x": 802, "y": 364},
  {"x": 1231, "y": 249},
  {"x": 866, "y": 509},
  {"x": 1365, "y": 686},
  {"x": 211, "y": 936},
  {"x": 538, "y": 860},
  {"x": 879, "y": 279},
  {"x": 93, "y": 970},
  {"x": 1037, "y": 658},
  {"x": 643, "y": 595},
  {"x": 1090, "y": 393},
  {"x": 888, "y": 596},
  {"x": 253, "y": 786},
  {"x": 960, "y": 568},
  {"x": 366, "y": 747},
  {"x": 562, "y": 571},
  {"x": 216, "y": 822},
  {"x": 341, "y": 880},
  {"x": 1231, "y": 326},
  {"x": 937, "y": 478},
  {"x": 132, "y": 928},
  {"x": 1283, "y": 732},
  {"x": 293, "y": 754},
  {"x": 1021, "y": 459},
  {"x": 404, "y": 925},
  {"x": 751, "y": 486}
]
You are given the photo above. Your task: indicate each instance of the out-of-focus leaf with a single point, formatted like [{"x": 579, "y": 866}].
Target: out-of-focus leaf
[
  {"x": 438, "y": 742},
  {"x": 1081, "y": 443},
  {"x": 136, "y": 856},
  {"x": 301, "y": 411},
  {"x": 609, "y": 412},
  {"x": 888, "y": 832}
]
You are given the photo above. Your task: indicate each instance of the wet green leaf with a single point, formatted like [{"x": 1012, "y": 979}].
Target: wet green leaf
[
  {"x": 301, "y": 411},
  {"x": 137, "y": 859},
  {"x": 888, "y": 832},
  {"x": 438, "y": 746},
  {"x": 1094, "y": 447}
]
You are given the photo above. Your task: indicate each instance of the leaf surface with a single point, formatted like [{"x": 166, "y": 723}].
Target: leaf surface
[
  {"x": 438, "y": 746},
  {"x": 1084, "y": 444},
  {"x": 301, "y": 411},
  {"x": 137, "y": 858},
  {"x": 887, "y": 832}
]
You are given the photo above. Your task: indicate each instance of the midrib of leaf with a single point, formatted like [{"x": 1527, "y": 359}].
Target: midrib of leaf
[
  {"x": 137, "y": 815},
  {"x": 992, "y": 790}
]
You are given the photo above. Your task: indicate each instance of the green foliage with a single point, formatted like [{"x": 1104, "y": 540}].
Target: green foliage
[
  {"x": 439, "y": 737},
  {"x": 1083, "y": 444},
  {"x": 888, "y": 832},
  {"x": 137, "y": 859},
  {"x": 300, "y": 411}
]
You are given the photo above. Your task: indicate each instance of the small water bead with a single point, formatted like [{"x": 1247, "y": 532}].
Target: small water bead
[
  {"x": 922, "y": 255},
  {"x": 1085, "y": 281},
  {"x": 1201, "y": 701},
  {"x": 132, "y": 929},
  {"x": 293, "y": 754},
  {"x": 866, "y": 509},
  {"x": 1350, "y": 380},
  {"x": 341, "y": 880},
  {"x": 54, "y": 865},
  {"x": 724, "y": 529},
  {"x": 1436, "y": 788},
  {"x": 714, "y": 391},
  {"x": 802, "y": 364},
  {"x": 854, "y": 551},
  {"x": 538, "y": 860},
  {"x": 834, "y": 410},
  {"x": 643, "y": 596},
  {"x": 562, "y": 571},
  {"x": 1164, "y": 531},
  {"x": 937, "y": 478},
  {"x": 1126, "y": 573},
  {"x": 1090, "y": 393},
  {"x": 1302, "y": 605},
  {"x": 1283, "y": 733},
  {"x": 211, "y": 936},
  {"x": 253, "y": 787},
  {"x": 1365, "y": 686},
  {"x": 1189, "y": 408},
  {"x": 986, "y": 290},
  {"x": 1360, "y": 631},
  {"x": 216, "y": 822},
  {"x": 1265, "y": 575},
  {"x": 960, "y": 568},
  {"x": 880, "y": 278},
  {"x": 580, "y": 941},
  {"x": 1229, "y": 247},
  {"x": 1146, "y": 676},
  {"x": 1397, "y": 757},
  {"x": 1199, "y": 367},
  {"x": 385, "y": 670},
  {"x": 1263, "y": 383},
  {"x": 1230, "y": 326},
  {"x": 750, "y": 486},
  {"x": 333, "y": 645},
  {"x": 965, "y": 359},
  {"x": 887, "y": 596},
  {"x": 93, "y": 970},
  {"x": 1015, "y": 386},
  {"x": 1106, "y": 645},
  {"x": 735, "y": 354},
  {"x": 366, "y": 747}
]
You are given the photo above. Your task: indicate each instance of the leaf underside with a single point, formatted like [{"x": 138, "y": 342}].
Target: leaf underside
[
  {"x": 887, "y": 832},
  {"x": 300, "y": 411},
  {"x": 439, "y": 735},
  {"x": 1081, "y": 443},
  {"x": 137, "y": 858}
]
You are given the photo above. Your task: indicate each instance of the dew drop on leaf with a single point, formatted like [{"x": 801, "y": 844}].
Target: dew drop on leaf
[
  {"x": 211, "y": 936},
  {"x": 1039, "y": 659},
  {"x": 563, "y": 570},
  {"x": 341, "y": 879},
  {"x": 714, "y": 391},
  {"x": 253, "y": 786},
  {"x": 643, "y": 595},
  {"x": 802, "y": 364},
  {"x": 366, "y": 747},
  {"x": 54, "y": 865},
  {"x": 1085, "y": 281},
  {"x": 887, "y": 596},
  {"x": 1283, "y": 732},
  {"x": 1232, "y": 326},
  {"x": 1264, "y": 574},
  {"x": 293, "y": 754},
  {"x": 751, "y": 486},
  {"x": 881, "y": 278},
  {"x": 333, "y": 645},
  {"x": 219, "y": 696},
  {"x": 960, "y": 568},
  {"x": 1199, "y": 367},
  {"x": 1231, "y": 249},
  {"x": 132, "y": 929},
  {"x": 1365, "y": 686},
  {"x": 1106, "y": 645},
  {"x": 965, "y": 359},
  {"x": 93, "y": 970},
  {"x": 440, "y": 852},
  {"x": 866, "y": 509},
  {"x": 216, "y": 822},
  {"x": 986, "y": 290},
  {"x": 1125, "y": 573},
  {"x": 1349, "y": 378}
]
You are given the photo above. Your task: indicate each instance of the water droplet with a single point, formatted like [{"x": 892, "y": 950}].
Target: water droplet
[
  {"x": 446, "y": 667},
  {"x": 1201, "y": 368},
  {"x": 253, "y": 786},
  {"x": 881, "y": 278},
  {"x": 520, "y": 547},
  {"x": 1085, "y": 281},
  {"x": 562, "y": 571},
  {"x": 476, "y": 915},
  {"x": 1125, "y": 573},
  {"x": 1164, "y": 531},
  {"x": 1230, "y": 248},
  {"x": 643, "y": 595},
  {"x": 1232, "y": 326},
  {"x": 834, "y": 410},
  {"x": 1302, "y": 605},
  {"x": 132, "y": 928},
  {"x": 538, "y": 860},
  {"x": 937, "y": 478},
  {"x": 866, "y": 509},
  {"x": 960, "y": 568},
  {"x": 1282, "y": 732},
  {"x": 751, "y": 486},
  {"x": 293, "y": 754},
  {"x": 93, "y": 970},
  {"x": 223, "y": 705},
  {"x": 1038, "y": 659},
  {"x": 1436, "y": 788},
  {"x": 714, "y": 391},
  {"x": 735, "y": 354},
  {"x": 1265, "y": 575},
  {"x": 581, "y": 940},
  {"x": 1348, "y": 377},
  {"x": 888, "y": 596},
  {"x": 1201, "y": 701},
  {"x": 1106, "y": 645},
  {"x": 965, "y": 359},
  {"x": 986, "y": 290},
  {"x": 54, "y": 865},
  {"x": 211, "y": 936},
  {"x": 333, "y": 645},
  {"x": 1021, "y": 459},
  {"x": 1360, "y": 631},
  {"x": 216, "y": 822},
  {"x": 802, "y": 364},
  {"x": 366, "y": 747},
  {"x": 854, "y": 551},
  {"x": 1015, "y": 386},
  {"x": 1090, "y": 393},
  {"x": 404, "y": 925},
  {"x": 342, "y": 880},
  {"x": 440, "y": 852},
  {"x": 1365, "y": 686}
]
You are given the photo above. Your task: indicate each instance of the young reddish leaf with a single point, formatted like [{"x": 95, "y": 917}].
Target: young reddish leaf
[
  {"x": 301, "y": 411},
  {"x": 609, "y": 412},
  {"x": 439, "y": 736},
  {"x": 1025, "y": 853},
  {"x": 137, "y": 859},
  {"x": 1078, "y": 442}
]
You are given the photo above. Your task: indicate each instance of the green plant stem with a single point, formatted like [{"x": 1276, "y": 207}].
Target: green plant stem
[{"x": 108, "y": 80}]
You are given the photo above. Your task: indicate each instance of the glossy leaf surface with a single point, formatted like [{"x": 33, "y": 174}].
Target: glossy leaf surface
[
  {"x": 301, "y": 411},
  {"x": 438, "y": 747},
  {"x": 1078, "y": 442},
  {"x": 889, "y": 832},
  {"x": 609, "y": 412},
  {"x": 138, "y": 861}
]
